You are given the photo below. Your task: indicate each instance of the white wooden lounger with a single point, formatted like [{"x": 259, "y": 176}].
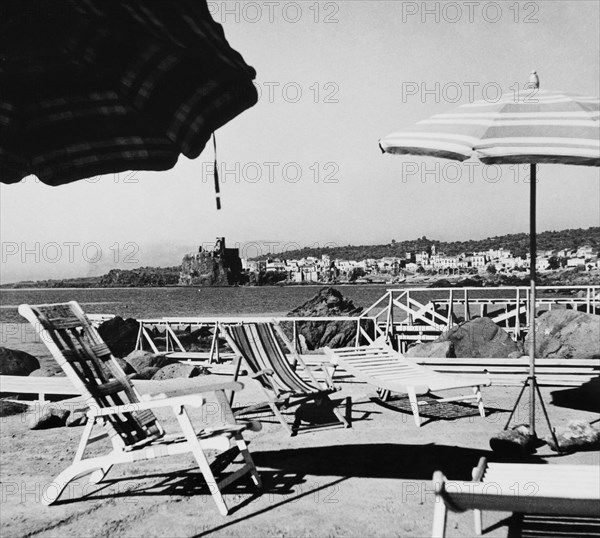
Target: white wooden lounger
[
  {"x": 567, "y": 490},
  {"x": 380, "y": 365}
]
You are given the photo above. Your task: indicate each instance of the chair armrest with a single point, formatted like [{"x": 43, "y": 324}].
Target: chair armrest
[
  {"x": 266, "y": 371},
  {"x": 161, "y": 400}
]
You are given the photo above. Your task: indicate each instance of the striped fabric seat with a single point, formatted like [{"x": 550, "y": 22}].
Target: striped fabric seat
[
  {"x": 532, "y": 126},
  {"x": 259, "y": 346},
  {"x": 91, "y": 87}
]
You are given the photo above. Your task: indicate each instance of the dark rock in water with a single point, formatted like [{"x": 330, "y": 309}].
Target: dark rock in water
[
  {"x": 567, "y": 334},
  {"x": 147, "y": 372},
  {"x": 120, "y": 335},
  {"x": 8, "y": 408},
  {"x": 177, "y": 370},
  {"x": 328, "y": 302},
  {"x": 144, "y": 359},
  {"x": 480, "y": 337},
  {"x": 475, "y": 282},
  {"x": 515, "y": 442},
  {"x": 53, "y": 417},
  {"x": 441, "y": 283},
  {"x": 432, "y": 349},
  {"x": 577, "y": 436},
  {"x": 15, "y": 362}
]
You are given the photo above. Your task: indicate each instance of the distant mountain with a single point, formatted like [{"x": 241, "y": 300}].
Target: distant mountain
[
  {"x": 115, "y": 278},
  {"x": 518, "y": 244}
]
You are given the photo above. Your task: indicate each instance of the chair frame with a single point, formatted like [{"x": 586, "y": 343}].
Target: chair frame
[
  {"x": 278, "y": 394},
  {"x": 569, "y": 490},
  {"x": 380, "y": 365},
  {"x": 71, "y": 338}
]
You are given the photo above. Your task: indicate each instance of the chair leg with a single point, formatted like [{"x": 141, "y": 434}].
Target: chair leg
[
  {"x": 477, "y": 391},
  {"x": 79, "y": 468},
  {"x": 347, "y": 418},
  {"x": 414, "y": 404},
  {"x": 281, "y": 418},
  {"x": 439, "y": 518},
  {"x": 478, "y": 522},
  {"x": 243, "y": 448},
  {"x": 190, "y": 434},
  {"x": 97, "y": 476}
]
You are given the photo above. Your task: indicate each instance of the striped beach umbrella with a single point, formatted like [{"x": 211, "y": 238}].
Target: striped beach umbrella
[
  {"x": 535, "y": 127},
  {"x": 532, "y": 126},
  {"x": 90, "y": 87}
]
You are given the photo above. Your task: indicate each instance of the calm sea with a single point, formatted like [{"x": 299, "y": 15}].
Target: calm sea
[{"x": 159, "y": 302}]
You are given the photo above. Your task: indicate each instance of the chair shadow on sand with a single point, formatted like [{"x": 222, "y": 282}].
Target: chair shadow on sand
[{"x": 433, "y": 411}]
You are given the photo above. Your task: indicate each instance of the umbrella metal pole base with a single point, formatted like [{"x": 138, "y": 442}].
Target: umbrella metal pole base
[{"x": 532, "y": 381}]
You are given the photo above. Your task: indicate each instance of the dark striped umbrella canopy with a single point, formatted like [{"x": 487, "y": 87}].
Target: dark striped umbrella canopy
[
  {"x": 534, "y": 127},
  {"x": 90, "y": 87}
]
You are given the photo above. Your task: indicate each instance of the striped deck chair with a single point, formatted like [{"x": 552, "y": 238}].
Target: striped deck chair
[
  {"x": 128, "y": 419},
  {"x": 380, "y": 365},
  {"x": 259, "y": 346}
]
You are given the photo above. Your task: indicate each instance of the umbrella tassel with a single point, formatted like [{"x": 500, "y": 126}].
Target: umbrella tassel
[{"x": 216, "y": 175}]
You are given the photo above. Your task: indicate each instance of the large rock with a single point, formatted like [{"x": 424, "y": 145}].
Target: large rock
[
  {"x": 54, "y": 417},
  {"x": 120, "y": 335},
  {"x": 567, "y": 334},
  {"x": 145, "y": 359},
  {"x": 328, "y": 302},
  {"x": 8, "y": 408},
  {"x": 15, "y": 362},
  {"x": 578, "y": 435},
  {"x": 432, "y": 349},
  {"x": 480, "y": 337},
  {"x": 177, "y": 370}
]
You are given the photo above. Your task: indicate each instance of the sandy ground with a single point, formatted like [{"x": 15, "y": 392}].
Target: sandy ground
[{"x": 373, "y": 479}]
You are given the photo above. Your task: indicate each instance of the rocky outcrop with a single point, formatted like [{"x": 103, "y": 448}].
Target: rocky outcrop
[
  {"x": 567, "y": 334},
  {"x": 120, "y": 335},
  {"x": 139, "y": 360},
  {"x": 480, "y": 337},
  {"x": 432, "y": 349},
  {"x": 176, "y": 370},
  {"x": 328, "y": 302},
  {"x": 54, "y": 417},
  {"x": 578, "y": 435},
  {"x": 15, "y": 362},
  {"x": 517, "y": 441}
]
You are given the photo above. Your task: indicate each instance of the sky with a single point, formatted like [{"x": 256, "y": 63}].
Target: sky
[{"x": 303, "y": 166}]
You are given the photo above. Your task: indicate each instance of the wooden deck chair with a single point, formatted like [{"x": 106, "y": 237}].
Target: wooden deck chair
[
  {"x": 560, "y": 490},
  {"x": 128, "y": 419},
  {"x": 257, "y": 344},
  {"x": 381, "y": 366}
]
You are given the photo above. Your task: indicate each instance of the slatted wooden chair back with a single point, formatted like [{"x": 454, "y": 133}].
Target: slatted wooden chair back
[
  {"x": 259, "y": 346},
  {"x": 89, "y": 364}
]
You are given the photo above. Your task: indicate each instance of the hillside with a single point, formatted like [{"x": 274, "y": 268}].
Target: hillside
[{"x": 518, "y": 244}]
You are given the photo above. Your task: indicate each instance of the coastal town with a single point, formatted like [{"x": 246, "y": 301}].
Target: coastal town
[{"x": 394, "y": 270}]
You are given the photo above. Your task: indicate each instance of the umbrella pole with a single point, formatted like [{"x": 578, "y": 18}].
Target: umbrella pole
[
  {"x": 531, "y": 378},
  {"x": 532, "y": 262}
]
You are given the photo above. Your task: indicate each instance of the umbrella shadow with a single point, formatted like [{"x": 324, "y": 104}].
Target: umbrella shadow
[
  {"x": 377, "y": 460},
  {"x": 583, "y": 398}
]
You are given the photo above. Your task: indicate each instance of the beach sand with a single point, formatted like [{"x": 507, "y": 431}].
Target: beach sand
[{"x": 371, "y": 480}]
